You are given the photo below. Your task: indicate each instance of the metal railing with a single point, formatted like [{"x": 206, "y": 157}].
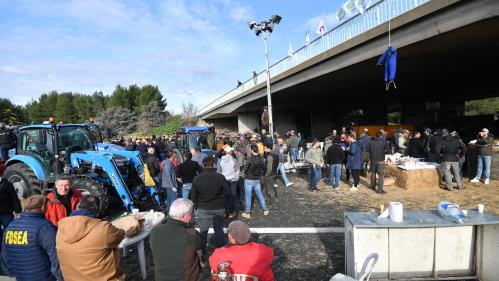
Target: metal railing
[{"x": 377, "y": 14}]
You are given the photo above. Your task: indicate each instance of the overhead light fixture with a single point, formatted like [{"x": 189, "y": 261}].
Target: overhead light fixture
[
  {"x": 275, "y": 19},
  {"x": 251, "y": 24}
]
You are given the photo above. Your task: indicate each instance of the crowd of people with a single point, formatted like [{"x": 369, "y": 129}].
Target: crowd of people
[
  {"x": 58, "y": 237},
  {"x": 63, "y": 233},
  {"x": 363, "y": 153}
]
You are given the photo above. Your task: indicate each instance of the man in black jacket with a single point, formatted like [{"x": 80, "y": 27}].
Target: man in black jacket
[
  {"x": 174, "y": 245},
  {"x": 7, "y": 140},
  {"x": 416, "y": 146},
  {"x": 334, "y": 159},
  {"x": 9, "y": 203},
  {"x": 186, "y": 172},
  {"x": 253, "y": 171},
  {"x": 208, "y": 193},
  {"x": 153, "y": 164},
  {"x": 377, "y": 150},
  {"x": 270, "y": 172},
  {"x": 449, "y": 148}
]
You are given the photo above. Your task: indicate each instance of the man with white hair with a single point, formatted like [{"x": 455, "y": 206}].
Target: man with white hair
[{"x": 175, "y": 244}]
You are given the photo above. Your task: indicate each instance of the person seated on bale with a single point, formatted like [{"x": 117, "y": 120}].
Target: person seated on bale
[{"x": 245, "y": 257}]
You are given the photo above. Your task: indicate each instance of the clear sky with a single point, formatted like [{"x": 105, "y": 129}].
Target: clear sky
[{"x": 193, "y": 50}]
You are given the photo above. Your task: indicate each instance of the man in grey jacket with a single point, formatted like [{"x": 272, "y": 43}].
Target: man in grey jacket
[
  {"x": 314, "y": 156},
  {"x": 169, "y": 180},
  {"x": 229, "y": 168},
  {"x": 294, "y": 141}
]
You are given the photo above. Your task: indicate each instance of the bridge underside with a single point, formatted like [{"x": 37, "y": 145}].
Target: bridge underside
[{"x": 434, "y": 78}]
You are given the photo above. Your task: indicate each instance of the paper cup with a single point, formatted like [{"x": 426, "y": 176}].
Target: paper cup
[{"x": 480, "y": 208}]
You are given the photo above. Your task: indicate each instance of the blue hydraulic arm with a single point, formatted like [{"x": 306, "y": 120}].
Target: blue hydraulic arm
[
  {"x": 107, "y": 163},
  {"x": 137, "y": 162}
]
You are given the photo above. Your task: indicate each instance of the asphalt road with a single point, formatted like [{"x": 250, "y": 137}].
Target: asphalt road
[{"x": 319, "y": 256}]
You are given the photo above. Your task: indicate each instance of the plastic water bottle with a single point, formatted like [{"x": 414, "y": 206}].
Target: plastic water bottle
[{"x": 451, "y": 210}]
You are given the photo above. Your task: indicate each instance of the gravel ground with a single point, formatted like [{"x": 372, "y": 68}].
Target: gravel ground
[{"x": 320, "y": 256}]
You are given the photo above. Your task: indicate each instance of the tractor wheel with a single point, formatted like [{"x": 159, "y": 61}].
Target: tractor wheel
[
  {"x": 24, "y": 180},
  {"x": 89, "y": 186}
]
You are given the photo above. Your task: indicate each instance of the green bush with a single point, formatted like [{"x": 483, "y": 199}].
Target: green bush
[{"x": 169, "y": 128}]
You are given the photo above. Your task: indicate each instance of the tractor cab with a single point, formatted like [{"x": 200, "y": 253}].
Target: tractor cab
[
  {"x": 51, "y": 145},
  {"x": 189, "y": 137}
]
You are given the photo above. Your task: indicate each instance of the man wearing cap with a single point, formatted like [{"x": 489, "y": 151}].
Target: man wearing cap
[
  {"x": 229, "y": 168},
  {"x": 88, "y": 246},
  {"x": 28, "y": 247},
  {"x": 245, "y": 257},
  {"x": 484, "y": 143}
]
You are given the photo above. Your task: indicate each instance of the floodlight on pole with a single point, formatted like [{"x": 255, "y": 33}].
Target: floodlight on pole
[{"x": 267, "y": 27}]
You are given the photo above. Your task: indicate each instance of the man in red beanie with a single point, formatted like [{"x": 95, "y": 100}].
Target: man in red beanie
[{"x": 245, "y": 257}]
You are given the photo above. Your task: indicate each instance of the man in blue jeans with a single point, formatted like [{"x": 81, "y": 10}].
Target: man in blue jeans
[
  {"x": 484, "y": 143},
  {"x": 293, "y": 143},
  {"x": 278, "y": 150},
  {"x": 314, "y": 157},
  {"x": 253, "y": 171},
  {"x": 186, "y": 172},
  {"x": 169, "y": 180},
  {"x": 334, "y": 159}
]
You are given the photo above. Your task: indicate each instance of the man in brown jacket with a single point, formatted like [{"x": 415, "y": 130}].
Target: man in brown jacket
[{"x": 87, "y": 246}]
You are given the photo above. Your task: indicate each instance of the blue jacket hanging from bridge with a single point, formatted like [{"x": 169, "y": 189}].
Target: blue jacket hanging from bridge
[{"x": 389, "y": 58}]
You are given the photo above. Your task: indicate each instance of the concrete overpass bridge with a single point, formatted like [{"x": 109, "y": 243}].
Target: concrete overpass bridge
[{"x": 448, "y": 52}]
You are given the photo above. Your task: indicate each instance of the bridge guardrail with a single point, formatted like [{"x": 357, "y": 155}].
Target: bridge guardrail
[{"x": 377, "y": 14}]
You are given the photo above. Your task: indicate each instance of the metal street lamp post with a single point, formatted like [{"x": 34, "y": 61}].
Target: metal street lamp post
[{"x": 267, "y": 27}]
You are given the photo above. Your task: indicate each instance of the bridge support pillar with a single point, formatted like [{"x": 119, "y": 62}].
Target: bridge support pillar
[{"x": 247, "y": 122}]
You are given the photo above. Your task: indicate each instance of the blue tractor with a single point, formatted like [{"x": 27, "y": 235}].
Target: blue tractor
[
  {"x": 189, "y": 137},
  {"x": 47, "y": 150}
]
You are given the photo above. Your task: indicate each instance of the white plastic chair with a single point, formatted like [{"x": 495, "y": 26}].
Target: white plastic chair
[
  {"x": 367, "y": 269},
  {"x": 244, "y": 277}
]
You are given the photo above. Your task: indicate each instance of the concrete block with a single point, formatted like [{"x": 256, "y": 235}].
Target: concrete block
[
  {"x": 411, "y": 252},
  {"x": 454, "y": 251}
]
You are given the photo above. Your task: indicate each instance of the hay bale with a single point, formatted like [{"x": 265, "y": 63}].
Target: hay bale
[
  {"x": 388, "y": 181},
  {"x": 420, "y": 179}
]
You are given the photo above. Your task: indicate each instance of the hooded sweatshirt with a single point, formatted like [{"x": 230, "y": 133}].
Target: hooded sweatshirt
[
  {"x": 228, "y": 167},
  {"x": 87, "y": 249}
]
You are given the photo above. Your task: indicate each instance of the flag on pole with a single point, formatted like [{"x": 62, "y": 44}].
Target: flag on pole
[
  {"x": 349, "y": 6},
  {"x": 307, "y": 39},
  {"x": 362, "y": 5},
  {"x": 340, "y": 14},
  {"x": 290, "y": 50},
  {"x": 321, "y": 29}
]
